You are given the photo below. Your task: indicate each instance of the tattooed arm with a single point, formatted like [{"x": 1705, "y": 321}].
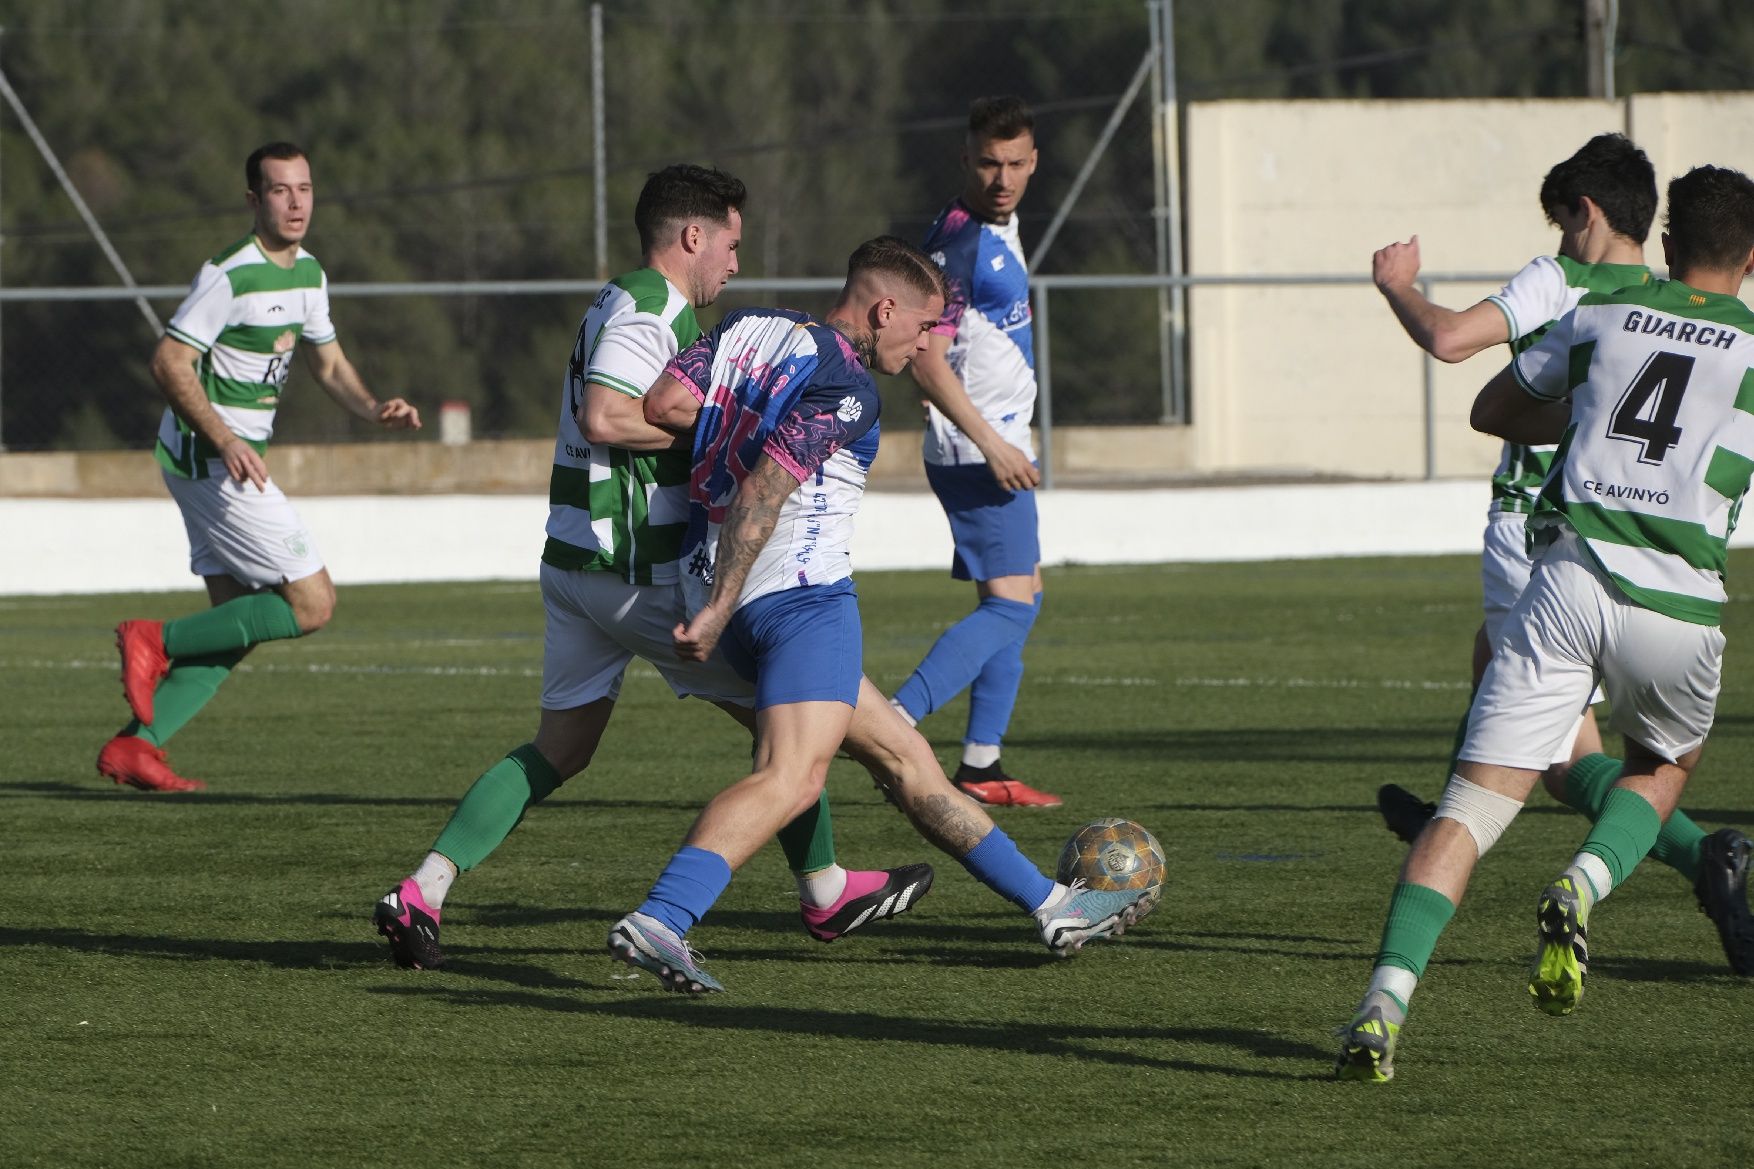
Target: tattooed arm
[{"x": 749, "y": 521}]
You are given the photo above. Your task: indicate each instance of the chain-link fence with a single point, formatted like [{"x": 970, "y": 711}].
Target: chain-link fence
[{"x": 453, "y": 141}]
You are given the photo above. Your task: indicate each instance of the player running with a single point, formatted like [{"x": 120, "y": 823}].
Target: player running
[
  {"x": 1602, "y": 200},
  {"x": 618, "y": 508},
  {"x": 222, "y": 365},
  {"x": 978, "y": 377},
  {"x": 1646, "y": 390},
  {"x": 785, "y": 427}
]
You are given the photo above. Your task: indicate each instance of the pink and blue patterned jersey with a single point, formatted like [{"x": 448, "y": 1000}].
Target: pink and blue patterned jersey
[
  {"x": 987, "y": 315},
  {"x": 778, "y": 383}
]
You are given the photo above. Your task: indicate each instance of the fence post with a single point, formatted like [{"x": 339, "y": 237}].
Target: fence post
[
  {"x": 1044, "y": 386},
  {"x": 1428, "y": 369}
]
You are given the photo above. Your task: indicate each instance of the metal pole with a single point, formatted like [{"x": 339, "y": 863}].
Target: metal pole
[
  {"x": 1160, "y": 218},
  {"x": 1597, "y": 48},
  {"x": 2, "y": 340},
  {"x": 103, "y": 241},
  {"x": 1044, "y": 386},
  {"x": 1428, "y": 370},
  {"x": 598, "y": 154},
  {"x": 1096, "y": 152},
  {"x": 1172, "y": 155}
]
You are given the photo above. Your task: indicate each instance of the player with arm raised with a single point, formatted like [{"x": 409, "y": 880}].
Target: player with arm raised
[
  {"x": 1656, "y": 447},
  {"x": 1602, "y": 199},
  {"x": 617, "y": 512},
  {"x": 222, "y": 366},
  {"x": 978, "y": 377},
  {"x": 784, "y": 415}
]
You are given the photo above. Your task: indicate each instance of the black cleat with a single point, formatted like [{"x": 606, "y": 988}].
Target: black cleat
[
  {"x": 886, "y": 893},
  {"x": 411, "y": 926},
  {"x": 1722, "y": 889},
  {"x": 1405, "y": 813}
]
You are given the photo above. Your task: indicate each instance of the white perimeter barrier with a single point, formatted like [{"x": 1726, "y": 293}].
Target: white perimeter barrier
[{"x": 138, "y": 545}]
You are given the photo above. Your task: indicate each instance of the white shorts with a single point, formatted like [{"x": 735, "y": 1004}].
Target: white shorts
[
  {"x": 597, "y": 623},
  {"x": 1571, "y": 630},
  {"x": 235, "y": 530},
  {"x": 1504, "y": 567}
]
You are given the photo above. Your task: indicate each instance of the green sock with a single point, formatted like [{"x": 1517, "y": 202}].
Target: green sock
[
  {"x": 1417, "y": 915},
  {"x": 808, "y": 841},
  {"x": 1623, "y": 833},
  {"x": 182, "y": 693},
  {"x": 494, "y": 804},
  {"x": 1678, "y": 844},
  {"x": 1588, "y": 783},
  {"x": 238, "y": 624}
]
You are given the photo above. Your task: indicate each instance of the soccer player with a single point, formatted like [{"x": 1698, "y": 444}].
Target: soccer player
[
  {"x": 978, "y": 377},
  {"x": 1602, "y": 200},
  {"x": 617, "y": 512},
  {"x": 222, "y": 364},
  {"x": 1647, "y": 391},
  {"x": 784, "y": 415}
]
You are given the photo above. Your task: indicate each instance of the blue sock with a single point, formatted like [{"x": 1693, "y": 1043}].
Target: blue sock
[
  {"x": 993, "y": 694},
  {"x": 687, "y": 888},
  {"x": 996, "y": 863},
  {"x": 963, "y": 651}
]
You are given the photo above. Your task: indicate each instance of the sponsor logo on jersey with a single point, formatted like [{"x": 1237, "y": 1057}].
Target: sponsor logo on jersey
[
  {"x": 850, "y": 409},
  {"x": 998, "y": 263}
]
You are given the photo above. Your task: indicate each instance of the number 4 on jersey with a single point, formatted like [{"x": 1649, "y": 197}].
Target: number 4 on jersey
[{"x": 1647, "y": 410}]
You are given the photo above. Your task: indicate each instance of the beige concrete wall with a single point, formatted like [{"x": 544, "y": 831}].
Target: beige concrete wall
[
  {"x": 1082, "y": 454},
  {"x": 1323, "y": 378}
]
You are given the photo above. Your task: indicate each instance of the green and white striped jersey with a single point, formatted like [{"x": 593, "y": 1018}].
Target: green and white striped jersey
[
  {"x": 1544, "y": 290},
  {"x": 612, "y": 510},
  {"x": 1653, "y": 467},
  {"x": 245, "y": 314}
]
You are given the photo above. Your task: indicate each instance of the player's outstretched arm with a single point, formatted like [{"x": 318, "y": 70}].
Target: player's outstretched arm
[
  {"x": 173, "y": 368},
  {"x": 939, "y": 383},
  {"x": 1503, "y": 408},
  {"x": 749, "y": 521},
  {"x": 329, "y": 365},
  {"x": 1446, "y": 334}
]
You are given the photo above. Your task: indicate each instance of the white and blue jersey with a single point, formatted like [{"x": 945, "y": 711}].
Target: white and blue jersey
[
  {"x": 778, "y": 383},
  {"x": 987, "y": 315}
]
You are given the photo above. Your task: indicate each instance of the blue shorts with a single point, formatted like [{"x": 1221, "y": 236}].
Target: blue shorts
[
  {"x": 799, "y": 645},
  {"x": 995, "y": 530}
]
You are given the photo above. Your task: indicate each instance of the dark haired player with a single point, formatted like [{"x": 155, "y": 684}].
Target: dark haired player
[{"x": 1646, "y": 391}]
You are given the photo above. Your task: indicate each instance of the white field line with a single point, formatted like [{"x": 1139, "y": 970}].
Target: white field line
[{"x": 641, "y": 669}]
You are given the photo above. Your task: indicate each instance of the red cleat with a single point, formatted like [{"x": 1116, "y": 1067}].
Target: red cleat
[
  {"x": 132, "y": 760},
  {"x": 990, "y": 785},
  {"x": 143, "y": 663}
]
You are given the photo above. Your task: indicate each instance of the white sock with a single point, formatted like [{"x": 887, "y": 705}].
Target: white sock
[
  {"x": 1395, "y": 982},
  {"x": 980, "y": 754},
  {"x": 902, "y": 711},
  {"x": 821, "y": 888},
  {"x": 1594, "y": 870},
  {"x": 434, "y": 876},
  {"x": 1059, "y": 892}
]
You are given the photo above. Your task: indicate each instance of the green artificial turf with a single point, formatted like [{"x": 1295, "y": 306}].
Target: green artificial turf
[{"x": 193, "y": 980}]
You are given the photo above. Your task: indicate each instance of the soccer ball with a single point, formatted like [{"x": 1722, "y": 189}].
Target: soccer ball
[{"x": 1114, "y": 854}]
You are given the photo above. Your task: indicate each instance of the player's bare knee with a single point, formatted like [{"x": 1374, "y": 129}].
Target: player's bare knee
[
  {"x": 1482, "y": 811},
  {"x": 313, "y": 613}
]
